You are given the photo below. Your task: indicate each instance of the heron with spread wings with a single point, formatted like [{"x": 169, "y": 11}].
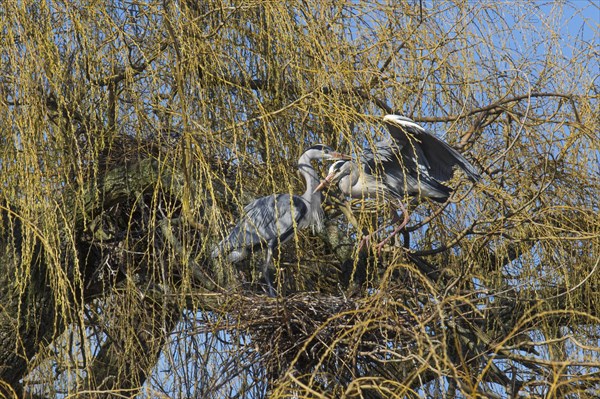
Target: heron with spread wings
[{"x": 411, "y": 161}]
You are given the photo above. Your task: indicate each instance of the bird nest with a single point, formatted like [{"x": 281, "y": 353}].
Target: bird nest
[{"x": 308, "y": 332}]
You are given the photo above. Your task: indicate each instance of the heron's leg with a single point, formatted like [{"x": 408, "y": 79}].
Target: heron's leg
[
  {"x": 395, "y": 219},
  {"x": 397, "y": 229},
  {"x": 366, "y": 238},
  {"x": 265, "y": 272}
]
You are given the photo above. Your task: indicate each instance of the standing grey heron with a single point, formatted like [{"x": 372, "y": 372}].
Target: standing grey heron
[
  {"x": 410, "y": 162},
  {"x": 268, "y": 222}
]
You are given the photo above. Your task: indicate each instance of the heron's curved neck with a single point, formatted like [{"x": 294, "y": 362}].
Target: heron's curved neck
[
  {"x": 350, "y": 179},
  {"x": 312, "y": 180}
]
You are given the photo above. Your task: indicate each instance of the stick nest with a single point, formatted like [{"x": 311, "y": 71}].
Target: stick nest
[{"x": 308, "y": 332}]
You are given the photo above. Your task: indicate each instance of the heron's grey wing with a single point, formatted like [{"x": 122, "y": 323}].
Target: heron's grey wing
[
  {"x": 439, "y": 158},
  {"x": 291, "y": 212},
  {"x": 252, "y": 229},
  {"x": 409, "y": 172},
  {"x": 383, "y": 150},
  {"x": 402, "y": 163},
  {"x": 382, "y": 156},
  {"x": 444, "y": 158},
  {"x": 394, "y": 154},
  {"x": 266, "y": 221},
  {"x": 376, "y": 164}
]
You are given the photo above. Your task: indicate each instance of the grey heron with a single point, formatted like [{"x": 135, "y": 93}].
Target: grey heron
[
  {"x": 411, "y": 161},
  {"x": 268, "y": 222}
]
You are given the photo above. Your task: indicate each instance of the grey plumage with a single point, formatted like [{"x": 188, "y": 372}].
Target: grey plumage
[{"x": 269, "y": 221}]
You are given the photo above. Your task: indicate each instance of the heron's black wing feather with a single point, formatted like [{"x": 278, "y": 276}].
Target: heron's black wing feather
[
  {"x": 439, "y": 158},
  {"x": 404, "y": 165},
  {"x": 445, "y": 158}
]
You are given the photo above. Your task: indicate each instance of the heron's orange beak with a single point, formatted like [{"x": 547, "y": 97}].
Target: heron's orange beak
[
  {"x": 339, "y": 155},
  {"x": 324, "y": 183},
  {"x": 321, "y": 186}
]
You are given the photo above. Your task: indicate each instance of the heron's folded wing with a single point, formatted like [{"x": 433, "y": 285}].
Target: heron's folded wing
[{"x": 267, "y": 219}]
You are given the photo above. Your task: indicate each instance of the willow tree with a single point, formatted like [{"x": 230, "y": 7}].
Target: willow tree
[{"x": 134, "y": 133}]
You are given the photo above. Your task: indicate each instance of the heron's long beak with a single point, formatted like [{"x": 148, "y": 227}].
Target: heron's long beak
[
  {"x": 339, "y": 155},
  {"x": 324, "y": 183},
  {"x": 321, "y": 186}
]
